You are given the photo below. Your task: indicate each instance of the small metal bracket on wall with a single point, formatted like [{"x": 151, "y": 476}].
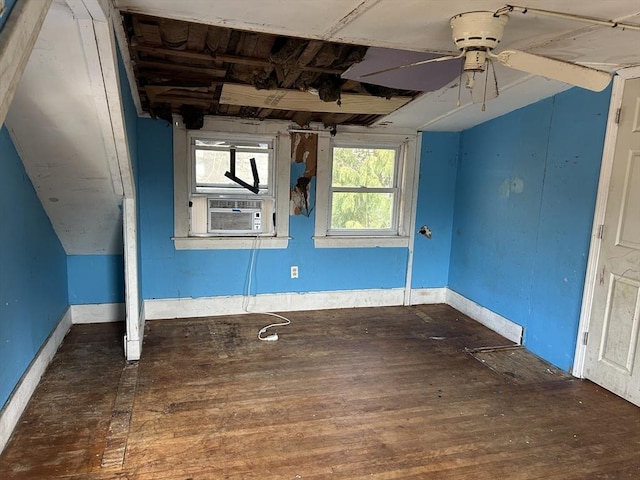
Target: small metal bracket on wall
[{"x": 426, "y": 231}]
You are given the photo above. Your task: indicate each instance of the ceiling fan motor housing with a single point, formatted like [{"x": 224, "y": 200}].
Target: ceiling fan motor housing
[{"x": 478, "y": 30}]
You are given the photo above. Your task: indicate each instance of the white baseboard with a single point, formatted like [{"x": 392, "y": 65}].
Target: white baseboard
[
  {"x": 499, "y": 324},
  {"x": 282, "y": 302},
  {"x": 156, "y": 309},
  {"x": 425, "y": 296},
  {"x": 97, "y": 313},
  {"x": 20, "y": 397}
]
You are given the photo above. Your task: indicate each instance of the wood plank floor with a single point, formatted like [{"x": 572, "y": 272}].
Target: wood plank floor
[{"x": 384, "y": 393}]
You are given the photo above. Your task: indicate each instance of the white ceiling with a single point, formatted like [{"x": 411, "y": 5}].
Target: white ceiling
[{"x": 57, "y": 118}]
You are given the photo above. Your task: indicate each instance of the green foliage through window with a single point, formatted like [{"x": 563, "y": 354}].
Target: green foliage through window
[{"x": 363, "y": 188}]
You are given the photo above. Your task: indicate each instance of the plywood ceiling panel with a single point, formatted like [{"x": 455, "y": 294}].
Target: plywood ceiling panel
[{"x": 305, "y": 101}]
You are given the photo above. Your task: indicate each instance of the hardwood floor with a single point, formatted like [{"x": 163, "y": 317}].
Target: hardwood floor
[{"x": 384, "y": 393}]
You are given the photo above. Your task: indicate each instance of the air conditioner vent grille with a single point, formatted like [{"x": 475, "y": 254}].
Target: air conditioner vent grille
[{"x": 218, "y": 203}]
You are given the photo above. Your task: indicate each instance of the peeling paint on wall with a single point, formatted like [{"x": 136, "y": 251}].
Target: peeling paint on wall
[{"x": 304, "y": 149}]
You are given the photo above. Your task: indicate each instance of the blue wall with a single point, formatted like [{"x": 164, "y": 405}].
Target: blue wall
[
  {"x": 510, "y": 203},
  {"x": 33, "y": 271},
  {"x": 168, "y": 273},
  {"x": 436, "y": 200},
  {"x": 8, "y": 6},
  {"x": 95, "y": 279},
  {"x": 525, "y": 196}
]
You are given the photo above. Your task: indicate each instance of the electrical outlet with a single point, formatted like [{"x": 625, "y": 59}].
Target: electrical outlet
[{"x": 294, "y": 271}]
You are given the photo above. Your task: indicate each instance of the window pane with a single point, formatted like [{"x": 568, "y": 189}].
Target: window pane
[
  {"x": 351, "y": 210},
  {"x": 211, "y": 166},
  {"x": 363, "y": 167}
]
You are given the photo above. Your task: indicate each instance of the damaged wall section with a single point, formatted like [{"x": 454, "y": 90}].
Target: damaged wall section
[{"x": 304, "y": 150}]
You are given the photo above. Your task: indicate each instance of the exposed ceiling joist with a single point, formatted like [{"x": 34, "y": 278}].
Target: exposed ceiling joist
[{"x": 305, "y": 101}]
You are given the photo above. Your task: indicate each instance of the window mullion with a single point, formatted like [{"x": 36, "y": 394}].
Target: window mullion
[{"x": 364, "y": 189}]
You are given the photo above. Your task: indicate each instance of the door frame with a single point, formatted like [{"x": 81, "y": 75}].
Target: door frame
[{"x": 610, "y": 138}]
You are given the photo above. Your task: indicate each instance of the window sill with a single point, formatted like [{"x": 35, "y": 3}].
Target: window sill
[
  {"x": 347, "y": 241},
  {"x": 229, "y": 243}
]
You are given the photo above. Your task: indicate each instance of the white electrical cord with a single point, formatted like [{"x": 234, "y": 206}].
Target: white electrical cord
[
  {"x": 274, "y": 336},
  {"x": 245, "y": 302}
]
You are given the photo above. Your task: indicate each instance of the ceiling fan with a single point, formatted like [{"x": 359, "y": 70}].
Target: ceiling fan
[{"x": 477, "y": 34}]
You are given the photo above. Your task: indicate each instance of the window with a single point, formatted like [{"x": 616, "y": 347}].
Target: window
[
  {"x": 226, "y": 186},
  {"x": 220, "y": 166},
  {"x": 364, "y": 192},
  {"x": 367, "y": 190},
  {"x": 231, "y": 191}
]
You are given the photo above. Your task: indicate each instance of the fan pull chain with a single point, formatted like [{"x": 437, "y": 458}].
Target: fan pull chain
[
  {"x": 486, "y": 79},
  {"x": 460, "y": 82}
]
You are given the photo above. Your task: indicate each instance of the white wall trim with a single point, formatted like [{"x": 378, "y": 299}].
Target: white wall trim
[
  {"x": 97, "y": 313},
  {"x": 20, "y": 397},
  {"x": 133, "y": 346},
  {"x": 499, "y": 324},
  {"x": 17, "y": 38},
  {"x": 408, "y": 291},
  {"x": 282, "y": 302},
  {"x": 230, "y": 243},
  {"x": 131, "y": 275},
  {"x": 427, "y": 296},
  {"x": 88, "y": 36},
  {"x": 98, "y": 42},
  {"x": 599, "y": 216}
]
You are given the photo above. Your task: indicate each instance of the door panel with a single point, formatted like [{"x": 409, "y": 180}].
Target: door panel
[
  {"x": 628, "y": 229},
  {"x": 612, "y": 358},
  {"x": 620, "y": 331}
]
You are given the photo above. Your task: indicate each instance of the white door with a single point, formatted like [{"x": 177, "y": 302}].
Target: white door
[{"x": 613, "y": 353}]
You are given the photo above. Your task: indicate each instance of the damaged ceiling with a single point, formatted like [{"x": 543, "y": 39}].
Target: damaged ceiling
[
  {"x": 74, "y": 164},
  {"x": 194, "y": 69}
]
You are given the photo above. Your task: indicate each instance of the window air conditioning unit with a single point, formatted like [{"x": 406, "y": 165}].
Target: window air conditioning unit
[
  {"x": 216, "y": 216},
  {"x": 234, "y": 217}
]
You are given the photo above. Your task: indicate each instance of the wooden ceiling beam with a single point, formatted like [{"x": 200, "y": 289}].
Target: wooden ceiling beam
[
  {"x": 255, "y": 62},
  {"x": 179, "y": 69},
  {"x": 181, "y": 100},
  {"x": 159, "y": 93},
  {"x": 308, "y": 54}
]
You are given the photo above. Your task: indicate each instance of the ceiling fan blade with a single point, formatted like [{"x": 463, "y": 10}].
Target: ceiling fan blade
[
  {"x": 571, "y": 73},
  {"x": 413, "y": 64}
]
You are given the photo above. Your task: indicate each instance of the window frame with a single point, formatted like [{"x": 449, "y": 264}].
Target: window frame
[
  {"x": 405, "y": 183},
  {"x": 394, "y": 189},
  {"x": 184, "y": 177},
  {"x": 238, "y": 191}
]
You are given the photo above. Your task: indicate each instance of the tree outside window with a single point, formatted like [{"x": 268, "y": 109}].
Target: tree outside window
[{"x": 364, "y": 189}]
